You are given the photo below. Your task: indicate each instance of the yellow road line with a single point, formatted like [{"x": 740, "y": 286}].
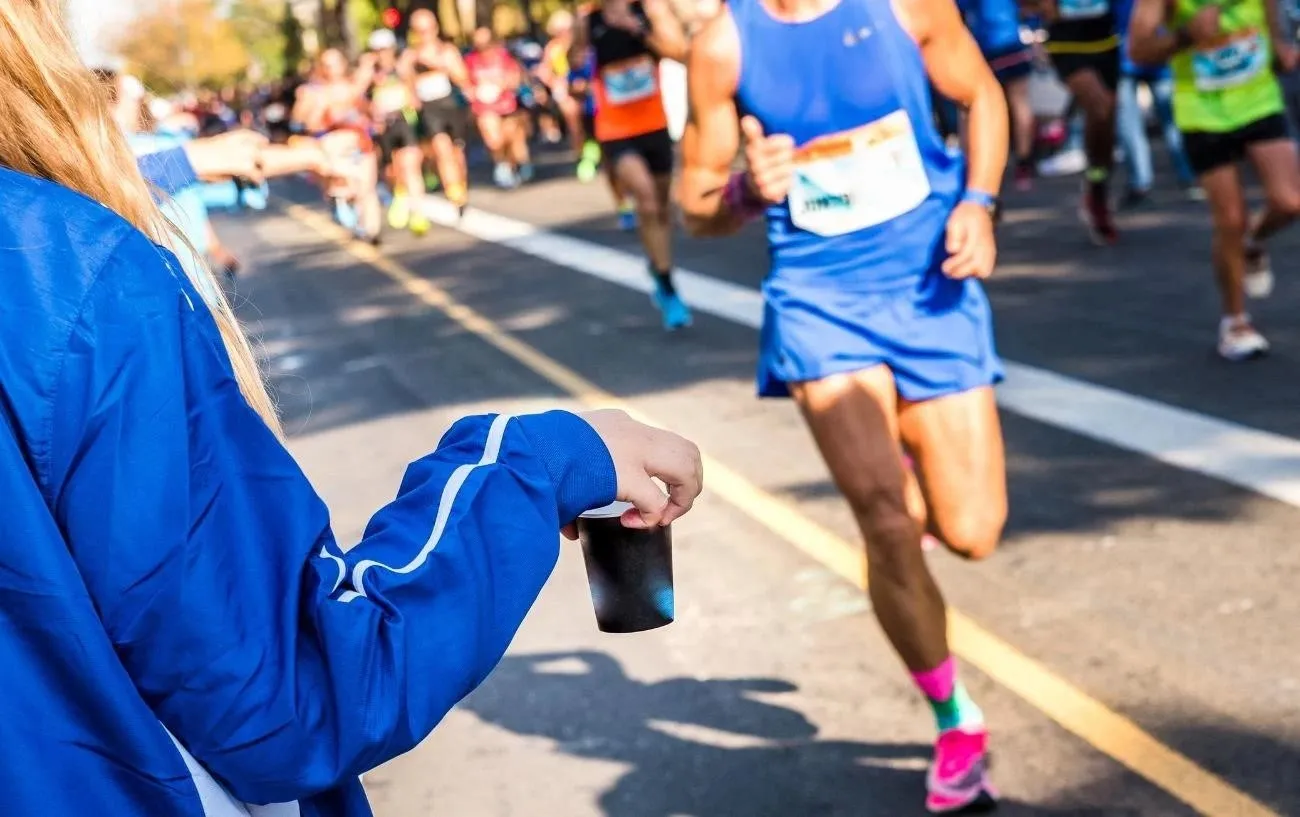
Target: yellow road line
[{"x": 1071, "y": 707}]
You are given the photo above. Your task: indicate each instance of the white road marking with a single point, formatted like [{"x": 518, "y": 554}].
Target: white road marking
[{"x": 1259, "y": 461}]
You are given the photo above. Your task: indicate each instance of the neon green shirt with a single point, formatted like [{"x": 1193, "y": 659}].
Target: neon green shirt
[{"x": 1231, "y": 84}]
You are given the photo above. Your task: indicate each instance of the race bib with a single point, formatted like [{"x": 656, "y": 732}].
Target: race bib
[
  {"x": 1081, "y": 9},
  {"x": 860, "y": 178},
  {"x": 1229, "y": 65},
  {"x": 432, "y": 87},
  {"x": 488, "y": 92},
  {"x": 630, "y": 81}
]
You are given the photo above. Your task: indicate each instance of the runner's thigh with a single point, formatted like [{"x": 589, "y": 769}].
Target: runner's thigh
[{"x": 956, "y": 445}]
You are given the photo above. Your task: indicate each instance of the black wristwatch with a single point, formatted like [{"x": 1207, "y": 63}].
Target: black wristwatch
[{"x": 1182, "y": 40}]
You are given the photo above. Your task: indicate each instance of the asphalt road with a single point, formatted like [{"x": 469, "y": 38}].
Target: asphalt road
[{"x": 1133, "y": 571}]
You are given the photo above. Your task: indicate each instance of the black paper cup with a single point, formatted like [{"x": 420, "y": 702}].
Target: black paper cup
[{"x": 630, "y": 571}]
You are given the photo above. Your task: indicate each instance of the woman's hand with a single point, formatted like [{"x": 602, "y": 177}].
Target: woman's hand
[{"x": 641, "y": 453}]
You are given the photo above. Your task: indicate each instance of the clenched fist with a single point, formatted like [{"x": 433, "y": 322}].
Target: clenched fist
[{"x": 771, "y": 161}]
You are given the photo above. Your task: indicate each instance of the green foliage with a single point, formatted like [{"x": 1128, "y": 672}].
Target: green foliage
[{"x": 261, "y": 26}]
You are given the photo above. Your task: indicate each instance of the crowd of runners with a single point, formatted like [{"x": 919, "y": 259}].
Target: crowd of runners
[{"x": 875, "y": 136}]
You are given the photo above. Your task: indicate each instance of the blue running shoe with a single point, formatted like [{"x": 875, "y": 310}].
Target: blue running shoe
[
  {"x": 627, "y": 218},
  {"x": 254, "y": 196},
  {"x": 674, "y": 311},
  {"x": 345, "y": 214}
]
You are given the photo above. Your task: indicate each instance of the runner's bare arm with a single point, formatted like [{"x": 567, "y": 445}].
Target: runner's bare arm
[
  {"x": 1278, "y": 36},
  {"x": 455, "y": 64},
  {"x": 667, "y": 35},
  {"x": 1149, "y": 41},
  {"x": 959, "y": 72},
  {"x": 581, "y": 41},
  {"x": 406, "y": 66},
  {"x": 712, "y": 137}
]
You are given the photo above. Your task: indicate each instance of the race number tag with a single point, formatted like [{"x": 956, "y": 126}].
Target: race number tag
[
  {"x": 1229, "y": 65},
  {"x": 860, "y": 178},
  {"x": 1081, "y": 9},
  {"x": 630, "y": 81},
  {"x": 432, "y": 87},
  {"x": 488, "y": 92}
]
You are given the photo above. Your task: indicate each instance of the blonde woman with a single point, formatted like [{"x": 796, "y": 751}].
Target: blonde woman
[
  {"x": 554, "y": 73},
  {"x": 181, "y": 633}
]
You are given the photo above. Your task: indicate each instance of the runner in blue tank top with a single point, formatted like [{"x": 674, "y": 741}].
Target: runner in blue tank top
[
  {"x": 996, "y": 27},
  {"x": 875, "y": 320}
]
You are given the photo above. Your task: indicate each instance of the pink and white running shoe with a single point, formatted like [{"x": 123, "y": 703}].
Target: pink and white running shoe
[{"x": 958, "y": 781}]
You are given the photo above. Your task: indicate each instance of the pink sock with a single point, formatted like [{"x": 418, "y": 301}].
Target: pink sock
[{"x": 938, "y": 683}]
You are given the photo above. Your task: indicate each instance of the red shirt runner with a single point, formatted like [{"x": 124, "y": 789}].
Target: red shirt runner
[{"x": 495, "y": 76}]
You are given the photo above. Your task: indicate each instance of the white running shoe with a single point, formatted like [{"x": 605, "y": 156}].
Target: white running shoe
[
  {"x": 1258, "y": 282},
  {"x": 1239, "y": 340}
]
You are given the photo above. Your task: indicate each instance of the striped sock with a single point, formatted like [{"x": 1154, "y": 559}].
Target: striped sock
[{"x": 951, "y": 703}]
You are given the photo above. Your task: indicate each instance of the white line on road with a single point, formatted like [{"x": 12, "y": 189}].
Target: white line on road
[{"x": 1260, "y": 461}]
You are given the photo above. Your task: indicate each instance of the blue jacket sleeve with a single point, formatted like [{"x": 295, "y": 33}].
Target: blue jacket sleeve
[
  {"x": 169, "y": 171},
  {"x": 281, "y": 662}
]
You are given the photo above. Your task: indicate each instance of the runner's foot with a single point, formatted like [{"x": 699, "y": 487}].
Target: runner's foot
[
  {"x": 1135, "y": 198},
  {"x": 1024, "y": 175},
  {"x": 503, "y": 176},
  {"x": 627, "y": 221},
  {"x": 399, "y": 212},
  {"x": 674, "y": 311},
  {"x": 1240, "y": 340},
  {"x": 589, "y": 162},
  {"x": 958, "y": 781},
  {"x": 345, "y": 214},
  {"x": 1094, "y": 211},
  {"x": 1259, "y": 273},
  {"x": 419, "y": 223}
]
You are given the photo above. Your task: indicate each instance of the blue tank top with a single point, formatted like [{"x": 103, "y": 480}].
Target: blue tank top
[{"x": 874, "y": 183}]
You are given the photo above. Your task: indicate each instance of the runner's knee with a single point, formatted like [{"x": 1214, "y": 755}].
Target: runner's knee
[
  {"x": 1285, "y": 201},
  {"x": 883, "y": 516},
  {"x": 974, "y": 532},
  {"x": 1229, "y": 222}
]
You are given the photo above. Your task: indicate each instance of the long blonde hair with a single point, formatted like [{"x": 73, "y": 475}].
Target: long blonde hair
[{"x": 55, "y": 124}]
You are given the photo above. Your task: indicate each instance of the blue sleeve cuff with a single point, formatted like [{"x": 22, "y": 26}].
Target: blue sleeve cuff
[
  {"x": 576, "y": 459},
  {"x": 168, "y": 170}
]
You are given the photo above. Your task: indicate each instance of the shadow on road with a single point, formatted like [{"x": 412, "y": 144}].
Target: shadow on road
[{"x": 704, "y": 747}]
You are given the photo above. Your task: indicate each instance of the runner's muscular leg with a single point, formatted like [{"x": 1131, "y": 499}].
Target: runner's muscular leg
[
  {"x": 633, "y": 177},
  {"x": 1278, "y": 168},
  {"x": 956, "y": 444},
  {"x": 1222, "y": 187},
  {"x": 852, "y": 419},
  {"x": 1098, "y": 103}
]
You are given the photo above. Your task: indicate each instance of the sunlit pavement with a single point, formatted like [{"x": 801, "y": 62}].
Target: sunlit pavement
[{"x": 1132, "y": 572}]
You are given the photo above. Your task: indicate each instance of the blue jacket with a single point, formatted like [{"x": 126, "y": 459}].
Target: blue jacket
[{"x": 181, "y": 634}]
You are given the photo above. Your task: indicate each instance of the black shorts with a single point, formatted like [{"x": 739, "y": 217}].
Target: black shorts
[
  {"x": 398, "y": 133},
  {"x": 656, "y": 148},
  {"x": 1209, "y": 151},
  {"x": 1105, "y": 63},
  {"x": 439, "y": 117}
]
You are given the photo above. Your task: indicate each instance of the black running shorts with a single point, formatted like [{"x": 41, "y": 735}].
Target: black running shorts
[
  {"x": 656, "y": 148},
  {"x": 1209, "y": 151}
]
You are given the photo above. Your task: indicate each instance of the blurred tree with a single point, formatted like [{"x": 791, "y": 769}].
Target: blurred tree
[
  {"x": 291, "y": 34},
  {"x": 259, "y": 25},
  {"x": 177, "y": 44}
]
